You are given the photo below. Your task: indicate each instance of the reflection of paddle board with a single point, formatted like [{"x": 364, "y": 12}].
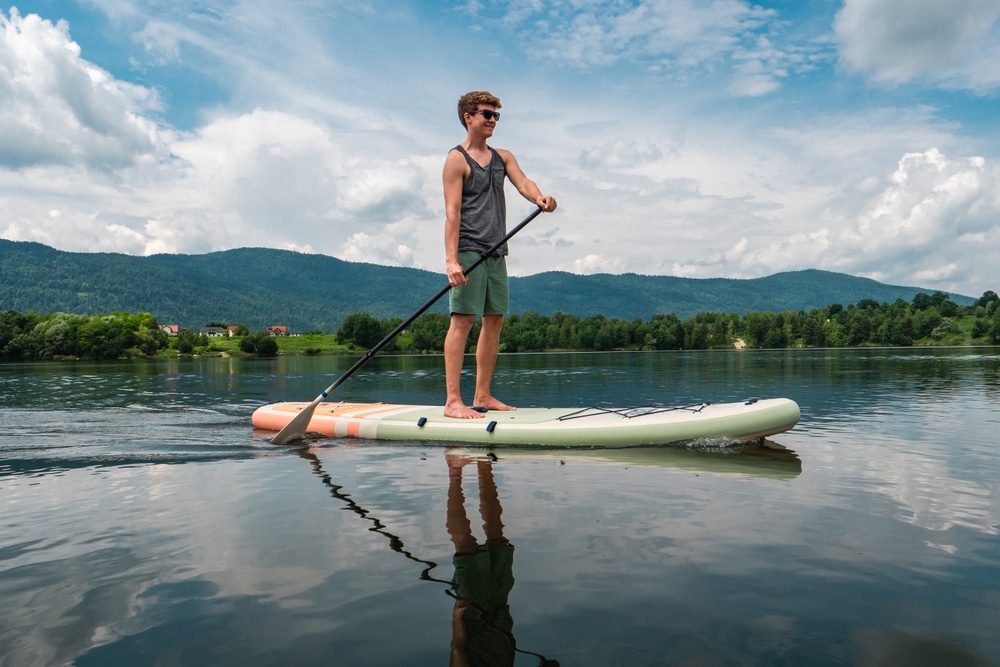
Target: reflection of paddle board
[
  {"x": 770, "y": 460},
  {"x": 546, "y": 427}
]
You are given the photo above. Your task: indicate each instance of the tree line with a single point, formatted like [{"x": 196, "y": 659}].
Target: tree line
[
  {"x": 33, "y": 337},
  {"x": 929, "y": 319}
]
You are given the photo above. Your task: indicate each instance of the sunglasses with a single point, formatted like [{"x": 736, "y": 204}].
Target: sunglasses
[{"x": 488, "y": 114}]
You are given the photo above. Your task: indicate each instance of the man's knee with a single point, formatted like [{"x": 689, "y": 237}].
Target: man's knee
[
  {"x": 492, "y": 324},
  {"x": 461, "y": 324}
]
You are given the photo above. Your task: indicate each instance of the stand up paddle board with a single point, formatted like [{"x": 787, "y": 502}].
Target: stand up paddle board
[{"x": 753, "y": 419}]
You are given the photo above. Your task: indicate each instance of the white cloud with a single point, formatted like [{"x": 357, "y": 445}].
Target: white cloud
[
  {"x": 271, "y": 177},
  {"x": 162, "y": 41},
  {"x": 620, "y": 155},
  {"x": 758, "y": 70},
  {"x": 675, "y": 39},
  {"x": 388, "y": 248},
  {"x": 58, "y": 109},
  {"x": 265, "y": 178},
  {"x": 955, "y": 43},
  {"x": 930, "y": 205},
  {"x": 923, "y": 225},
  {"x": 596, "y": 264},
  {"x": 661, "y": 136}
]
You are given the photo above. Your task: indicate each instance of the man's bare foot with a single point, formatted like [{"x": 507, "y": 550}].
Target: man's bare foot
[
  {"x": 461, "y": 411},
  {"x": 491, "y": 403}
]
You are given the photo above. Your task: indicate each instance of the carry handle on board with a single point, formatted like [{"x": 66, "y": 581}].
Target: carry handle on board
[{"x": 296, "y": 428}]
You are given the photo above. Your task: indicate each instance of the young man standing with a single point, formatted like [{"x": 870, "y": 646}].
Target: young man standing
[{"x": 476, "y": 216}]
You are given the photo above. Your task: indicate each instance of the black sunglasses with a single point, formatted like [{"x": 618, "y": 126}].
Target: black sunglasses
[{"x": 488, "y": 114}]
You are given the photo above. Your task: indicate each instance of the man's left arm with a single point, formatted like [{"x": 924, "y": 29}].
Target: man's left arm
[{"x": 527, "y": 187}]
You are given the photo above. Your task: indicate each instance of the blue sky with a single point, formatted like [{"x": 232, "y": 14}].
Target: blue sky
[{"x": 712, "y": 138}]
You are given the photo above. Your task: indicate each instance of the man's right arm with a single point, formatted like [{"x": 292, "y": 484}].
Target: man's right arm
[{"x": 454, "y": 176}]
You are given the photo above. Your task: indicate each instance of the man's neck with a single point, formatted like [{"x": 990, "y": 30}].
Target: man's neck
[{"x": 475, "y": 142}]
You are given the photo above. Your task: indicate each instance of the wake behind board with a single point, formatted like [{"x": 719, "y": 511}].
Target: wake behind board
[{"x": 543, "y": 427}]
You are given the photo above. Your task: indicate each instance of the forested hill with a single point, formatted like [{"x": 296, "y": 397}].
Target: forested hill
[{"x": 260, "y": 287}]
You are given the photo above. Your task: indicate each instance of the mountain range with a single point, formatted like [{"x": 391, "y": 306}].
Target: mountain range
[{"x": 308, "y": 292}]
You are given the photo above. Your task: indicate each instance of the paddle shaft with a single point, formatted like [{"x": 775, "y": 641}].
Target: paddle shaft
[{"x": 297, "y": 427}]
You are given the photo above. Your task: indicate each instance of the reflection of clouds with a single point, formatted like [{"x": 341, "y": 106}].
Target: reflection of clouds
[
  {"x": 915, "y": 425},
  {"x": 947, "y": 548},
  {"x": 928, "y": 492},
  {"x": 62, "y": 590},
  {"x": 66, "y": 604},
  {"x": 114, "y": 550},
  {"x": 895, "y": 647}
]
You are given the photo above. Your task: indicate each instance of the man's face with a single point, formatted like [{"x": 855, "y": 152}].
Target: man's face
[{"x": 479, "y": 120}]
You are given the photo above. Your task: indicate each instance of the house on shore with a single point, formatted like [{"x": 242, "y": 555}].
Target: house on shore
[{"x": 212, "y": 332}]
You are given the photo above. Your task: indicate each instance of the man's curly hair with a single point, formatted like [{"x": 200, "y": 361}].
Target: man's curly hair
[{"x": 471, "y": 101}]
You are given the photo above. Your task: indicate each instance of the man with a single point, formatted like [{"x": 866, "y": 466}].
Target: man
[{"x": 476, "y": 212}]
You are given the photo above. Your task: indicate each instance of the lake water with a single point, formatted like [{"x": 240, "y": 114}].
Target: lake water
[{"x": 144, "y": 522}]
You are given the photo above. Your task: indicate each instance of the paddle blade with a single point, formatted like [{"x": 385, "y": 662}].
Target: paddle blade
[{"x": 295, "y": 429}]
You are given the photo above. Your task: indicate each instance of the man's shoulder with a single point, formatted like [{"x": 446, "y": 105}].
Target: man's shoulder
[
  {"x": 502, "y": 152},
  {"x": 456, "y": 155},
  {"x": 456, "y": 163}
]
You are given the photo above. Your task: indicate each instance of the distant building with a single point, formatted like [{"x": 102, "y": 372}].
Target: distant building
[
  {"x": 171, "y": 329},
  {"x": 212, "y": 332},
  {"x": 231, "y": 330},
  {"x": 277, "y": 330}
]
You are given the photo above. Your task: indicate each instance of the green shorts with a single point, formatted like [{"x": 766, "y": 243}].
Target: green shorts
[
  {"x": 486, "y": 576},
  {"x": 486, "y": 293}
]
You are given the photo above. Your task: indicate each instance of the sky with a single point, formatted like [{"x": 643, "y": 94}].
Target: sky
[{"x": 691, "y": 138}]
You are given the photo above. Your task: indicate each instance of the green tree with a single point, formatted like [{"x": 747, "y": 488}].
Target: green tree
[
  {"x": 988, "y": 297},
  {"x": 667, "y": 332},
  {"x": 758, "y": 324},
  {"x": 428, "y": 331},
  {"x": 13, "y": 324},
  {"x": 980, "y": 328},
  {"x": 186, "y": 341},
  {"x": 360, "y": 329},
  {"x": 58, "y": 336},
  {"x": 925, "y": 321},
  {"x": 922, "y": 301},
  {"x": 524, "y": 333},
  {"x": 813, "y": 334},
  {"x": 260, "y": 344},
  {"x": 695, "y": 335}
]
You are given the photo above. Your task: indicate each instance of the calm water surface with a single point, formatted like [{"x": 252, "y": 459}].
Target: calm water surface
[{"x": 144, "y": 522}]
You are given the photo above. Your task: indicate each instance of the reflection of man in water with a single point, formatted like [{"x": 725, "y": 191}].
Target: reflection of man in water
[
  {"x": 482, "y": 628},
  {"x": 481, "y": 623}
]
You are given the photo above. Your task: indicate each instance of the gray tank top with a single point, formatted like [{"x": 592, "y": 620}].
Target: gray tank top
[{"x": 484, "y": 209}]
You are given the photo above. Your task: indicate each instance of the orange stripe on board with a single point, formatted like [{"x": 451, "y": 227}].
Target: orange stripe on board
[
  {"x": 379, "y": 409},
  {"x": 349, "y": 409},
  {"x": 353, "y": 428},
  {"x": 334, "y": 409}
]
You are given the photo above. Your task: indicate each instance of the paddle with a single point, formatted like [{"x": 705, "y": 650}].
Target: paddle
[{"x": 296, "y": 428}]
